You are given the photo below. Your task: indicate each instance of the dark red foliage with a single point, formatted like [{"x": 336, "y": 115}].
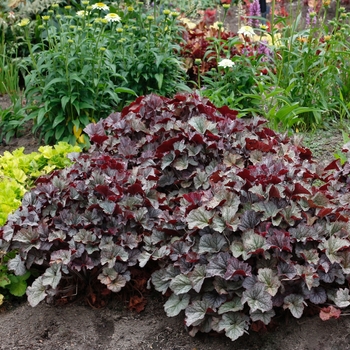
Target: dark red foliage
[{"x": 232, "y": 212}]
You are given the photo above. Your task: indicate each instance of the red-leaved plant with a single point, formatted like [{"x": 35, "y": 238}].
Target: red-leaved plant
[{"x": 242, "y": 221}]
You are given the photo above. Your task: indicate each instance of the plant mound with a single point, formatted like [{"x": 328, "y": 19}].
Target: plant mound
[{"x": 241, "y": 221}]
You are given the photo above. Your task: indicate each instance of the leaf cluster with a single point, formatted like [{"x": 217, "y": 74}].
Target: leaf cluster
[
  {"x": 18, "y": 172},
  {"x": 86, "y": 66},
  {"x": 229, "y": 209}
]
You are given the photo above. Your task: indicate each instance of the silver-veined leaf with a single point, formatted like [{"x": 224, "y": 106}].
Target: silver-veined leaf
[
  {"x": 36, "y": 292},
  {"x": 61, "y": 256},
  {"x": 109, "y": 256},
  {"x": 235, "y": 324},
  {"x": 197, "y": 277},
  {"x": 342, "y": 298},
  {"x": 52, "y": 276},
  {"x": 167, "y": 159},
  {"x": 211, "y": 243},
  {"x": 199, "y": 218},
  {"x": 201, "y": 124},
  {"x": 117, "y": 284},
  {"x": 295, "y": 303},
  {"x": 17, "y": 266},
  {"x": 196, "y": 312},
  {"x": 180, "y": 284},
  {"x": 231, "y": 306},
  {"x": 257, "y": 298},
  {"x": 270, "y": 280},
  {"x": 332, "y": 247},
  {"x": 107, "y": 275},
  {"x": 175, "y": 304}
]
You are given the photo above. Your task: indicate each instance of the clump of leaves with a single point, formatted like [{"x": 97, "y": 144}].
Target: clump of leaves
[
  {"x": 19, "y": 170},
  {"x": 228, "y": 208},
  {"x": 10, "y": 284}
]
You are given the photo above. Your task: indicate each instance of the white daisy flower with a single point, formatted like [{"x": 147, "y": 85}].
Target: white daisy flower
[
  {"x": 100, "y": 6},
  {"x": 226, "y": 63},
  {"x": 112, "y": 17}
]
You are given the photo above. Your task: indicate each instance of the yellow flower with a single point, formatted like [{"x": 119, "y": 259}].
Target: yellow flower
[
  {"x": 77, "y": 131},
  {"x": 112, "y": 17},
  {"x": 1, "y": 299},
  {"x": 327, "y": 37},
  {"x": 45, "y": 18},
  {"x": 100, "y": 6},
  {"x": 24, "y": 22},
  {"x": 268, "y": 39},
  {"x": 188, "y": 23},
  {"x": 217, "y": 25},
  {"x": 130, "y": 9}
]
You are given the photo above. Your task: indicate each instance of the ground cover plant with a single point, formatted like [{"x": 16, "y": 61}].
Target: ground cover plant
[
  {"x": 241, "y": 222},
  {"x": 19, "y": 170}
]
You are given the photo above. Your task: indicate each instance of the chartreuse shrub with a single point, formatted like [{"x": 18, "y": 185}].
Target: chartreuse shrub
[
  {"x": 18, "y": 172},
  {"x": 243, "y": 222}
]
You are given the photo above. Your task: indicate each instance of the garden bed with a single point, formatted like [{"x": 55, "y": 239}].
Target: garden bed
[{"x": 78, "y": 326}]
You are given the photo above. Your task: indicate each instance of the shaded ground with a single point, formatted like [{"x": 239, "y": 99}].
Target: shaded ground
[{"x": 78, "y": 327}]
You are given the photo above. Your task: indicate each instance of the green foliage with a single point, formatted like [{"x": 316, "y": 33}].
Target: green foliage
[
  {"x": 148, "y": 52},
  {"x": 227, "y": 85},
  {"x": 12, "y": 283},
  {"x": 11, "y": 120},
  {"x": 90, "y": 61},
  {"x": 343, "y": 155},
  {"x": 19, "y": 170}
]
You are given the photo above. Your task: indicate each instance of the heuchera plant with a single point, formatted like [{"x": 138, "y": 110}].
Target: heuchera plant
[{"x": 242, "y": 221}]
